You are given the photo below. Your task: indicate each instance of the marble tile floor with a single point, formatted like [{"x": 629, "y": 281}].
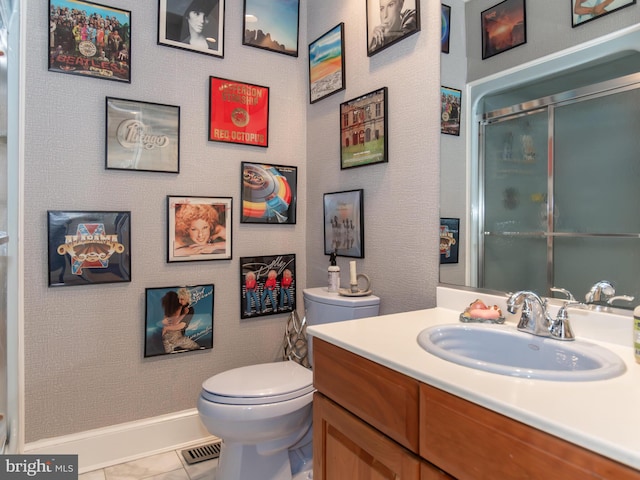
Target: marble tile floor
[{"x": 164, "y": 466}]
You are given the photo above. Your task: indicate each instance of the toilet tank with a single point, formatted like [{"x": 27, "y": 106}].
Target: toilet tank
[{"x": 321, "y": 306}]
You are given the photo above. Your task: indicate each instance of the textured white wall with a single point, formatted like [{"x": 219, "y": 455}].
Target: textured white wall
[
  {"x": 84, "y": 345},
  {"x": 400, "y": 197}
]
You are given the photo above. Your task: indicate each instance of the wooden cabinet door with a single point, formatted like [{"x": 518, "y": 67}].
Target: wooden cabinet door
[{"x": 344, "y": 447}]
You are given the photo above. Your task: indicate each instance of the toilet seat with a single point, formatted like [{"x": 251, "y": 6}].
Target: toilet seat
[{"x": 259, "y": 384}]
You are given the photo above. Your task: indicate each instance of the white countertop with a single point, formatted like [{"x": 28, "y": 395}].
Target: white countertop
[{"x": 602, "y": 416}]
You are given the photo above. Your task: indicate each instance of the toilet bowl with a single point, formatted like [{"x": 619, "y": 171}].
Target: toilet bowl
[{"x": 262, "y": 412}]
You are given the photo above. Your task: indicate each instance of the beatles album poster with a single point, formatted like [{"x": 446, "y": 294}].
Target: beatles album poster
[
  {"x": 238, "y": 112},
  {"x": 89, "y": 247},
  {"x": 267, "y": 285},
  {"x": 178, "y": 319},
  {"x": 89, "y": 39},
  {"x": 269, "y": 193}
]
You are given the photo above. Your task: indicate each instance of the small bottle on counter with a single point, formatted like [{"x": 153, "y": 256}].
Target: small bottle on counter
[
  {"x": 334, "y": 274},
  {"x": 636, "y": 332}
]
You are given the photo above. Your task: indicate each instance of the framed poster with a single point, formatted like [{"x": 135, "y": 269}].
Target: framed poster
[
  {"x": 199, "y": 228},
  {"x": 504, "y": 26},
  {"x": 326, "y": 64},
  {"x": 272, "y": 25},
  {"x": 583, "y": 11},
  {"x": 449, "y": 239},
  {"x": 267, "y": 285},
  {"x": 87, "y": 247},
  {"x": 344, "y": 223},
  {"x": 238, "y": 112},
  {"x": 363, "y": 130},
  {"x": 389, "y": 21},
  {"x": 142, "y": 136},
  {"x": 446, "y": 28},
  {"x": 196, "y": 25},
  {"x": 269, "y": 193},
  {"x": 450, "y": 110},
  {"x": 178, "y": 319},
  {"x": 94, "y": 41}
]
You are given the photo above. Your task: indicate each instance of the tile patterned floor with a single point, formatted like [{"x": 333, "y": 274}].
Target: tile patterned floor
[{"x": 164, "y": 466}]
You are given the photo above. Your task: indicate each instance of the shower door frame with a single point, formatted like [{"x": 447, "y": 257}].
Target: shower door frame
[{"x": 548, "y": 104}]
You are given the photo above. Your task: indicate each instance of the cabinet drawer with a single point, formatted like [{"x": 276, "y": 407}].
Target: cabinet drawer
[
  {"x": 472, "y": 442},
  {"x": 385, "y": 399}
]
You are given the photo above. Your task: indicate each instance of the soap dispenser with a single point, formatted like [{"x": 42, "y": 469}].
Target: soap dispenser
[{"x": 334, "y": 274}]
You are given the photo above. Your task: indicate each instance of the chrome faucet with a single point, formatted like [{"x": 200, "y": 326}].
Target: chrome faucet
[
  {"x": 534, "y": 317},
  {"x": 603, "y": 293}
]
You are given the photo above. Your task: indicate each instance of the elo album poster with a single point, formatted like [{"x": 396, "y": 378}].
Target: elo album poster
[
  {"x": 88, "y": 247},
  {"x": 269, "y": 193},
  {"x": 238, "y": 112}
]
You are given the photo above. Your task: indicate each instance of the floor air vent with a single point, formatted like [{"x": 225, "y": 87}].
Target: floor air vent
[{"x": 202, "y": 453}]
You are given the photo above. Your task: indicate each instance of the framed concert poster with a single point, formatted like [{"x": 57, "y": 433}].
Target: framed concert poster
[
  {"x": 267, "y": 285},
  {"x": 363, "y": 130},
  {"x": 238, "y": 112},
  {"x": 344, "y": 223},
  {"x": 142, "y": 136},
  {"x": 100, "y": 48},
  {"x": 178, "y": 319},
  {"x": 198, "y": 228},
  {"x": 450, "y": 110},
  {"x": 389, "y": 22},
  {"x": 197, "y": 25},
  {"x": 504, "y": 26},
  {"x": 269, "y": 193},
  {"x": 326, "y": 64},
  {"x": 272, "y": 25},
  {"x": 87, "y": 247}
]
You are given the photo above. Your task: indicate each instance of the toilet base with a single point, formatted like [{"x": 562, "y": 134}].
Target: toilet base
[{"x": 243, "y": 462}]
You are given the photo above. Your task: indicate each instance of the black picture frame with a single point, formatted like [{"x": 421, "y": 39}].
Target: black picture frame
[
  {"x": 364, "y": 130},
  {"x": 380, "y": 35},
  {"x": 272, "y": 25},
  {"x": 509, "y": 18},
  {"x": 344, "y": 223},
  {"x": 94, "y": 54},
  {"x": 450, "y": 110},
  {"x": 267, "y": 285},
  {"x": 269, "y": 193},
  {"x": 445, "y": 34},
  {"x": 199, "y": 228},
  {"x": 327, "y": 64},
  {"x": 449, "y": 240},
  {"x": 174, "y": 29},
  {"x": 582, "y": 18},
  {"x": 88, "y": 247},
  {"x": 141, "y": 136},
  {"x": 189, "y": 329}
]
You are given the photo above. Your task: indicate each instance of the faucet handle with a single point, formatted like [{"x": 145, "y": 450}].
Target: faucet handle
[
  {"x": 561, "y": 328},
  {"x": 626, "y": 298},
  {"x": 565, "y": 292}
]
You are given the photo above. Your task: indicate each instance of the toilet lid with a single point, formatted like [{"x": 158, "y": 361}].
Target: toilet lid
[{"x": 259, "y": 384}]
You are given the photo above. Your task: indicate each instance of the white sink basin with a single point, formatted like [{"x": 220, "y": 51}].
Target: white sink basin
[{"x": 505, "y": 350}]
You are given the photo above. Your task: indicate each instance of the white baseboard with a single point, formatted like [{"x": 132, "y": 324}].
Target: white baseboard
[{"x": 122, "y": 443}]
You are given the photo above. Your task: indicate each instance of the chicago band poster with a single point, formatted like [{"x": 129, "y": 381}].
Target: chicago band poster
[
  {"x": 142, "y": 136},
  {"x": 267, "y": 285},
  {"x": 269, "y": 193},
  {"x": 85, "y": 248},
  {"x": 178, "y": 319},
  {"x": 238, "y": 112},
  {"x": 89, "y": 39}
]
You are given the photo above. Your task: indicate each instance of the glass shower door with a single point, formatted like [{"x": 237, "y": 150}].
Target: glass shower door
[{"x": 514, "y": 192}]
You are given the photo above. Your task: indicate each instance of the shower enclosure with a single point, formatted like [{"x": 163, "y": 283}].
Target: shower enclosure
[{"x": 559, "y": 191}]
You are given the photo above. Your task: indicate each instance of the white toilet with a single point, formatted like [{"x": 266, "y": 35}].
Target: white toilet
[{"x": 262, "y": 412}]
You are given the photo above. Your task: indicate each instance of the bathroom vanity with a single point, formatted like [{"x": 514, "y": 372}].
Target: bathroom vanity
[{"x": 385, "y": 408}]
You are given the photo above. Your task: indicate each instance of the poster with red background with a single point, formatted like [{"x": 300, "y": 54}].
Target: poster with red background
[{"x": 238, "y": 112}]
